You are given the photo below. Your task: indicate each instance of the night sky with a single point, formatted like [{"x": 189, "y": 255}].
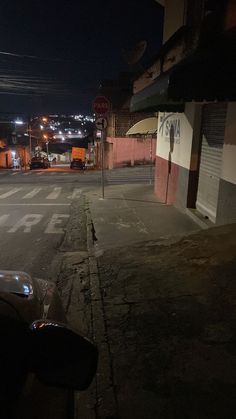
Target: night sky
[{"x": 75, "y": 44}]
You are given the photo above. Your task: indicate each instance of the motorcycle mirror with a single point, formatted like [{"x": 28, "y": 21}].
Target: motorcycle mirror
[{"x": 60, "y": 357}]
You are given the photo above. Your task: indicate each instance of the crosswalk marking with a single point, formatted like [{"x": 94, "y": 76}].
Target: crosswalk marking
[
  {"x": 76, "y": 193},
  {"x": 32, "y": 193},
  {"x": 3, "y": 219},
  {"x": 55, "y": 193},
  {"x": 52, "y": 194},
  {"x": 39, "y": 204},
  {"x": 9, "y": 193}
]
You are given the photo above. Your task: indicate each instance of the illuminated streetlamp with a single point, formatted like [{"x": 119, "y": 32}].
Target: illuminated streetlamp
[{"x": 18, "y": 122}]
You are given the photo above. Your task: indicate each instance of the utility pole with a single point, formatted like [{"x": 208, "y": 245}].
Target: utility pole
[
  {"x": 101, "y": 125},
  {"x": 30, "y": 140},
  {"x": 47, "y": 148},
  {"x": 101, "y": 106},
  {"x": 30, "y": 137},
  {"x": 103, "y": 139}
]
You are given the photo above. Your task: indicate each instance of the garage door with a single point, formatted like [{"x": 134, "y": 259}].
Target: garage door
[{"x": 213, "y": 128}]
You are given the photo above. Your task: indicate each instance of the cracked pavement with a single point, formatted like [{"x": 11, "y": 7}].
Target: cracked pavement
[
  {"x": 170, "y": 320},
  {"x": 161, "y": 311}
]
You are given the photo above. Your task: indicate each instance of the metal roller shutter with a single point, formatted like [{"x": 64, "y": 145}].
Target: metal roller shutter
[{"x": 213, "y": 128}]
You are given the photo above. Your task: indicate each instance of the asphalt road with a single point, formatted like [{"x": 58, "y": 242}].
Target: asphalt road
[
  {"x": 33, "y": 219},
  {"x": 35, "y": 207},
  {"x": 133, "y": 175}
]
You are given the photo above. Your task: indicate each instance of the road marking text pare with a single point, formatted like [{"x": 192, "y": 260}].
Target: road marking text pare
[{"x": 56, "y": 224}]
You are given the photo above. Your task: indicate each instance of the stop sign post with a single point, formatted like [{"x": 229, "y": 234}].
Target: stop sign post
[{"x": 101, "y": 105}]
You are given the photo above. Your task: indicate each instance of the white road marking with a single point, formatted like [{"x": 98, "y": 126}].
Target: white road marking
[
  {"x": 39, "y": 173},
  {"x": 36, "y": 205},
  {"x": 57, "y": 219},
  {"x": 3, "y": 219},
  {"x": 9, "y": 193},
  {"x": 54, "y": 194},
  {"x": 13, "y": 174},
  {"x": 26, "y": 174},
  {"x": 26, "y": 222},
  {"x": 32, "y": 193},
  {"x": 76, "y": 193}
]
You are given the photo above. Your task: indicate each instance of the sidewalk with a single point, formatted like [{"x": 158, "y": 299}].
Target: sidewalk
[
  {"x": 164, "y": 312},
  {"x": 132, "y": 213}
]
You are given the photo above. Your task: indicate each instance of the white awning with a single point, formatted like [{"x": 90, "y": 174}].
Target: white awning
[{"x": 146, "y": 126}]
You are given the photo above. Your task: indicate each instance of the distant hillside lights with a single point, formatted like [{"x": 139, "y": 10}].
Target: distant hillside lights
[{"x": 83, "y": 118}]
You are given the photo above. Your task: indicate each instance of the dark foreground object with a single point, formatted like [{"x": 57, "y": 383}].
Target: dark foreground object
[{"x": 41, "y": 355}]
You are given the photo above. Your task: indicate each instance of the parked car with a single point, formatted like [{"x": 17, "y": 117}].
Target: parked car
[
  {"x": 42, "y": 360},
  {"x": 77, "y": 164},
  {"x": 39, "y": 163}
]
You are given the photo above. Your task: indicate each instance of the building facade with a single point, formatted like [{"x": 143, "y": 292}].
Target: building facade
[
  {"x": 121, "y": 150},
  {"x": 192, "y": 87}
]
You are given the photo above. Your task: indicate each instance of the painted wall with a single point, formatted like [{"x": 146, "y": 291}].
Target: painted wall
[
  {"x": 3, "y": 160},
  {"x": 175, "y": 132},
  {"x": 177, "y": 161},
  {"x": 20, "y": 152},
  {"x": 129, "y": 151},
  {"x": 174, "y": 156}
]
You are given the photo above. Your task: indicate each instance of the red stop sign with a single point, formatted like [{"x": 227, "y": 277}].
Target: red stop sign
[{"x": 101, "y": 105}]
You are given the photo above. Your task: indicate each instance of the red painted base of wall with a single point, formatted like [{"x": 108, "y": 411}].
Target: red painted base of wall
[{"x": 166, "y": 180}]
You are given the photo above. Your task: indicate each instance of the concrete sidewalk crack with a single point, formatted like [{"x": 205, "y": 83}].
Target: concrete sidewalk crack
[{"x": 106, "y": 405}]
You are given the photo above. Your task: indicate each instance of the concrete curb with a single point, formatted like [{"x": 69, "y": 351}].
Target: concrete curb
[{"x": 103, "y": 387}]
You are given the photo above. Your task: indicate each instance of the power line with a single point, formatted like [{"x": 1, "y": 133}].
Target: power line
[
  {"x": 37, "y": 57},
  {"x": 34, "y": 57}
]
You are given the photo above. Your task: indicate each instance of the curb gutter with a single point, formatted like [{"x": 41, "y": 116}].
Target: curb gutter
[{"x": 102, "y": 390}]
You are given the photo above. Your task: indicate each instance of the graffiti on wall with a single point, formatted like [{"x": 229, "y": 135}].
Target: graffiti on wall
[{"x": 170, "y": 127}]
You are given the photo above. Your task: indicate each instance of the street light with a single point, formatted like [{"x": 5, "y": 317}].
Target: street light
[
  {"x": 18, "y": 122},
  {"x": 29, "y": 131}
]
